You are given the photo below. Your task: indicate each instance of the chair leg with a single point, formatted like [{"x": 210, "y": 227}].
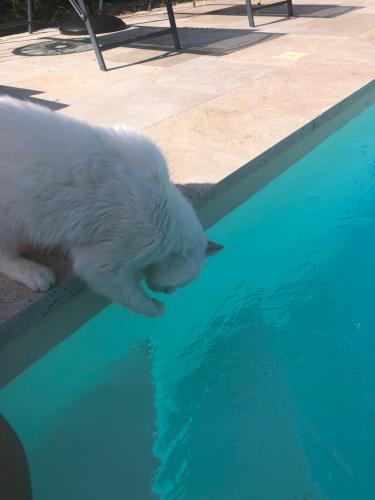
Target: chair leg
[
  {"x": 29, "y": 16},
  {"x": 93, "y": 39},
  {"x": 290, "y": 8},
  {"x": 172, "y": 22},
  {"x": 250, "y": 15}
]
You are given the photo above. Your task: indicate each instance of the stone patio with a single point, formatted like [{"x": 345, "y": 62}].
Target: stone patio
[{"x": 227, "y": 96}]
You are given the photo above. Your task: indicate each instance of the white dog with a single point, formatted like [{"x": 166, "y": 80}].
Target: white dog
[{"x": 104, "y": 196}]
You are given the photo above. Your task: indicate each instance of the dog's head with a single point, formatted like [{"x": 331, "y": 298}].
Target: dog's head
[{"x": 178, "y": 270}]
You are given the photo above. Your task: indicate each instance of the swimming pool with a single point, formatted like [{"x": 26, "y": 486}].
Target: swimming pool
[{"x": 259, "y": 381}]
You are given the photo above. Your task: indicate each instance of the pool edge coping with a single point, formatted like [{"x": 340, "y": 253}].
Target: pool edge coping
[{"x": 57, "y": 310}]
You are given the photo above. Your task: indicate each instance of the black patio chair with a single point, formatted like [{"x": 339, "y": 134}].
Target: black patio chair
[
  {"x": 250, "y": 8},
  {"x": 84, "y": 10}
]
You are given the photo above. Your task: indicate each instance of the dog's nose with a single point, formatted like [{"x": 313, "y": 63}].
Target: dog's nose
[{"x": 169, "y": 289}]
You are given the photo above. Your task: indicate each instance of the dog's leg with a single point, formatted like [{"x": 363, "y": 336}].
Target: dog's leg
[
  {"x": 131, "y": 294},
  {"x": 35, "y": 276},
  {"x": 123, "y": 286}
]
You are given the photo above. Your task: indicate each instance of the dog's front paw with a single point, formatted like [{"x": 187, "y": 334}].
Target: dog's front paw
[
  {"x": 31, "y": 274},
  {"x": 38, "y": 278},
  {"x": 151, "y": 308}
]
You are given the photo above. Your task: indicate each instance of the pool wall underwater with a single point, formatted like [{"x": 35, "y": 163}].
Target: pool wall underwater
[{"x": 32, "y": 333}]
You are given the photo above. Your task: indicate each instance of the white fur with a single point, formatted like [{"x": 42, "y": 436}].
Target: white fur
[{"x": 104, "y": 195}]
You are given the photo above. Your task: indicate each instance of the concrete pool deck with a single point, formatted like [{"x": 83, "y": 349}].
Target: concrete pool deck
[{"x": 229, "y": 95}]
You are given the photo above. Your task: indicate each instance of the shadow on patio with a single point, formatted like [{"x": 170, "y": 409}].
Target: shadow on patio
[
  {"x": 322, "y": 11},
  {"x": 26, "y": 94},
  {"x": 194, "y": 40}
]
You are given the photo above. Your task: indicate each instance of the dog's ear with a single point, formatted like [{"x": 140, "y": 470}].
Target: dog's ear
[{"x": 213, "y": 248}]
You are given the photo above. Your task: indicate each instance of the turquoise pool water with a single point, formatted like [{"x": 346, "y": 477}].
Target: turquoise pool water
[{"x": 258, "y": 383}]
